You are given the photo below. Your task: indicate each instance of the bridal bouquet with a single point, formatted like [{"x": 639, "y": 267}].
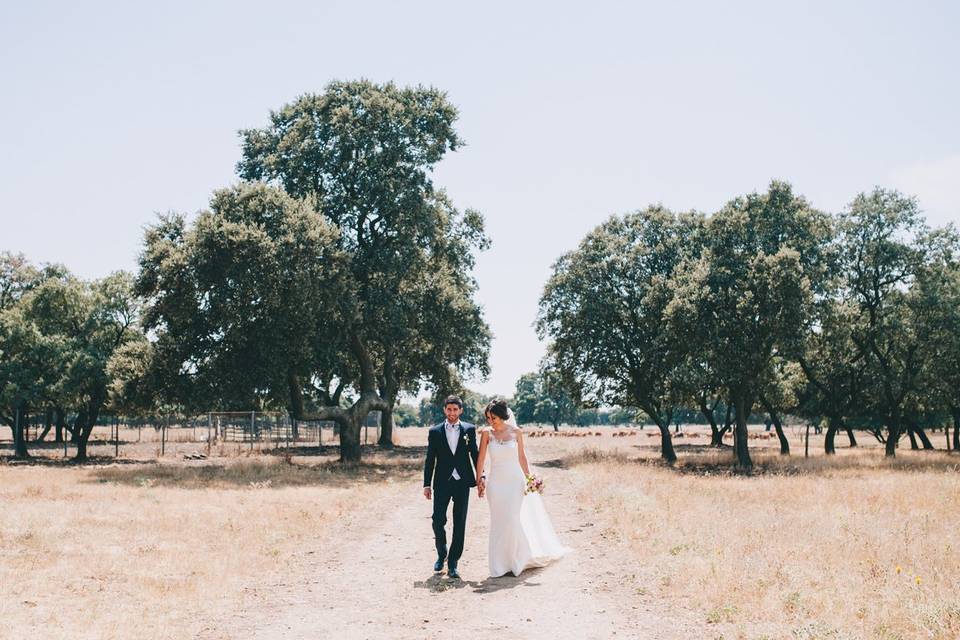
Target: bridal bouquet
[{"x": 534, "y": 484}]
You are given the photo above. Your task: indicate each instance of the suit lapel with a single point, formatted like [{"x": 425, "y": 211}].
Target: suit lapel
[
  {"x": 445, "y": 444},
  {"x": 459, "y": 439}
]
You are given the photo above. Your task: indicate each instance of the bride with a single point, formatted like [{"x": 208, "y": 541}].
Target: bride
[{"x": 521, "y": 534}]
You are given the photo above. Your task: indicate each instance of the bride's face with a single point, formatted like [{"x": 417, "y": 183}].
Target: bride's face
[{"x": 494, "y": 421}]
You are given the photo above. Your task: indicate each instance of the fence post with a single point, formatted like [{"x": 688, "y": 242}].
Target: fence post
[
  {"x": 209, "y": 427},
  {"x": 806, "y": 444},
  {"x": 252, "y": 418},
  {"x": 116, "y": 441},
  {"x": 163, "y": 435}
]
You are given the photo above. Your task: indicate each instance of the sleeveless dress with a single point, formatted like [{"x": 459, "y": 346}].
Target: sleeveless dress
[{"x": 521, "y": 534}]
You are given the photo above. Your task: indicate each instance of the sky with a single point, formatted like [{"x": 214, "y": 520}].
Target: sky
[{"x": 113, "y": 112}]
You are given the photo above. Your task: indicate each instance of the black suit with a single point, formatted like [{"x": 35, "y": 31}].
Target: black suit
[{"x": 439, "y": 466}]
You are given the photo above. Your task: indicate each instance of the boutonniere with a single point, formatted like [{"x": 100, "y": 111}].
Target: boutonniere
[{"x": 466, "y": 438}]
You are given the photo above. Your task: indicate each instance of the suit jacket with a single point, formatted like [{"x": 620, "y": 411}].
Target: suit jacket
[{"x": 441, "y": 461}]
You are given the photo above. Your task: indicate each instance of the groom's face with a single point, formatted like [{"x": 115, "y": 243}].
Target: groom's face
[{"x": 452, "y": 411}]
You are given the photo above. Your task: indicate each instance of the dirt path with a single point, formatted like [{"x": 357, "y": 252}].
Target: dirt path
[{"x": 381, "y": 585}]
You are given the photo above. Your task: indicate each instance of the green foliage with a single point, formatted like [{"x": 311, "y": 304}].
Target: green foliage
[
  {"x": 58, "y": 339},
  {"x": 407, "y": 415},
  {"x": 748, "y": 297},
  {"x": 603, "y": 309},
  {"x": 240, "y": 299},
  {"x": 362, "y": 153},
  {"x": 542, "y": 397},
  {"x": 335, "y": 279},
  {"x": 431, "y": 409},
  {"x": 885, "y": 247},
  {"x": 526, "y": 395}
]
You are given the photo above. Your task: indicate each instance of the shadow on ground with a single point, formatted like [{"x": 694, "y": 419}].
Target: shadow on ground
[
  {"x": 709, "y": 461},
  {"x": 49, "y": 461},
  {"x": 276, "y": 471},
  {"x": 438, "y": 583}
]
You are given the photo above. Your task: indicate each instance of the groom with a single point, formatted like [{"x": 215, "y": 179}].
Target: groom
[{"x": 448, "y": 444}]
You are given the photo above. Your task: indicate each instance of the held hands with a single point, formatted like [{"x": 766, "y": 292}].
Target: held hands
[
  {"x": 427, "y": 493},
  {"x": 481, "y": 487}
]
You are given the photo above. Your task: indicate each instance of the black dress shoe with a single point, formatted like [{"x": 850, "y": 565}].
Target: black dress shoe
[
  {"x": 438, "y": 565},
  {"x": 452, "y": 572}
]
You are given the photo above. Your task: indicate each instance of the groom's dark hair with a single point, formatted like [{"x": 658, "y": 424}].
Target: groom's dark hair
[{"x": 453, "y": 400}]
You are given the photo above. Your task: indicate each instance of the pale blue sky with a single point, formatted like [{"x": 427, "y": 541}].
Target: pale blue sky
[{"x": 111, "y": 112}]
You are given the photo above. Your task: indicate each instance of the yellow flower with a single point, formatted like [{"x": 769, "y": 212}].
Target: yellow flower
[
  {"x": 917, "y": 579},
  {"x": 898, "y": 570}
]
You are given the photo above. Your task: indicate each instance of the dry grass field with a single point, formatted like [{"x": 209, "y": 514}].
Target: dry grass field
[
  {"x": 851, "y": 546},
  {"x": 160, "y": 550}
]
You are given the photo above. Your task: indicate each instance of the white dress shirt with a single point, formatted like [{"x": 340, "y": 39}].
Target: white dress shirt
[{"x": 453, "y": 432}]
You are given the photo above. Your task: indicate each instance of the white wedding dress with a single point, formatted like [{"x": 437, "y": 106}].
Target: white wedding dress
[{"x": 521, "y": 534}]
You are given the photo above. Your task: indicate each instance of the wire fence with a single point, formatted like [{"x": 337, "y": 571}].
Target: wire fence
[{"x": 200, "y": 435}]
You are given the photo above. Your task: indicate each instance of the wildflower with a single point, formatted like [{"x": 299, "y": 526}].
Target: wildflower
[
  {"x": 898, "y": 570},
  {"x": 917, "y": 579}
]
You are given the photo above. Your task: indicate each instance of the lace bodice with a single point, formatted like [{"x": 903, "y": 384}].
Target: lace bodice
[
  {"x": 508, "y": 434},
  {"x": 503, "y": 450}
]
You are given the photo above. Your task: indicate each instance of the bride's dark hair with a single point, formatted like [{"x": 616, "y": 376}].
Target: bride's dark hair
[{"x": 497, "y": 408}]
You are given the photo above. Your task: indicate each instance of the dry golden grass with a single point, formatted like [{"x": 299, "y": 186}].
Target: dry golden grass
[
  {"x": 852, "y": 546},
  {"x": 803, "y": 548},
  {"x": 159, "y": 551}
]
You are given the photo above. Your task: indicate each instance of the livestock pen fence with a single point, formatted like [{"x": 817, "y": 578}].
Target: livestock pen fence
[{"x": 165, "y": 433}]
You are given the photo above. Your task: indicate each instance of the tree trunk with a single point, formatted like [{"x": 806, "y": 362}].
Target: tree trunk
[
  {"x": 956, "y": 428},
  {"x": 913, "y": 438},
  {"x": 833, "y": 425},
  {"x": 47, "y": 424},
  {"x": 784, "y": 443},
  {"x": 924, "y": 440},
  {"x": 75, "y": 431},
  {"x": 350, "y": 420},
  {"x": 295, "y": 405},
  {"x": 350, "y": 429},
  {"x": 853, "y": 439},
  {"x": 556, "y": 425},
  {"x": 715, "y": 439},
  {"x": 81, "y": 434},
  {"x": 666, "y": 443},
  {"x": 81, "y": 449},
  {"x": 743, "y": 406},
  {"x": 386, "y": 425},
  {"x": 351, "y": 423},
  {"x": 893, "y": 437},
  {"x": 778, "y": 425},
  {"x": 19, "y": 435}
]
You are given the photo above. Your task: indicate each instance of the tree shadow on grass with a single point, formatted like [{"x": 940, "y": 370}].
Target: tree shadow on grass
[
  {"x": 49, "y": 461},
  {"x": 366, "y": 451},
  {"x": 704, "y": 460},
  {"x": 258, "y": 474}
]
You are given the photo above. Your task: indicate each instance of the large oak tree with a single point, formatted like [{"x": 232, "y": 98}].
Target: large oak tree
[{"x": 603, "y": 310}]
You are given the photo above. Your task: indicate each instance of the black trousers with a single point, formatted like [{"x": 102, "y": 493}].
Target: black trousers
[{"x": 443, "y": 493}]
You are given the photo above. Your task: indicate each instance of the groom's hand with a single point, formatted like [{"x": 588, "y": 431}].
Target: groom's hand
[{"x": 427, "y": 493}]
